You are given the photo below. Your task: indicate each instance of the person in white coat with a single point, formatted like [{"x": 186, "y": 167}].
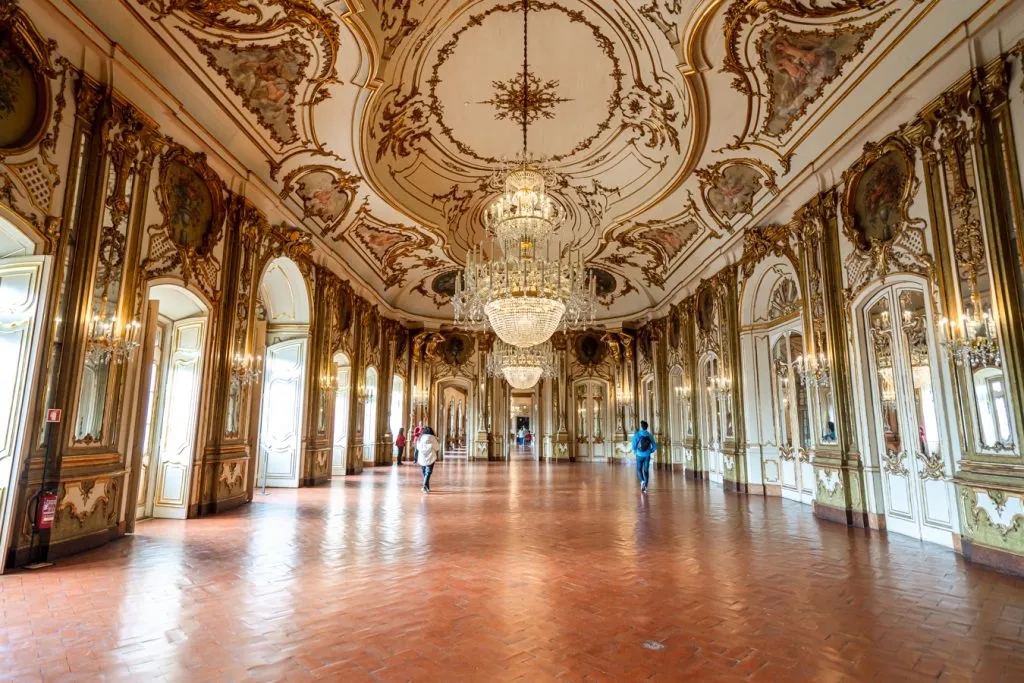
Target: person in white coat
[{"x": 427, "y": 448}]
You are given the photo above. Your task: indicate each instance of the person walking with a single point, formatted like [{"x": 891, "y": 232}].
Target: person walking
[
  {"x": 400, "y": 444},
  {"x": 427, "y": 447},
  {"x": 643, "y": 446}
]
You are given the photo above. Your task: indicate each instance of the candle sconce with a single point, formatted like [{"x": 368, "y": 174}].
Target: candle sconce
[{"x": 110, "y": 341}]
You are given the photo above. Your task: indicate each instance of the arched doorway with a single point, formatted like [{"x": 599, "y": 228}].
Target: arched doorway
[
  {"x": 453, "y": 420},
  {"x": 711, "y": 417},
  {"x": 792, "y": 416},
  {"x": 24, "y": 278},
  {"x": 396, "y": 419},
  {"x": 369, "y": 416},
  {"x": 342, "y": 404},
  {"x": 286, "y": 308},
  {"x": 172, "y": 404},
  {"x": 905, "y": 417}
]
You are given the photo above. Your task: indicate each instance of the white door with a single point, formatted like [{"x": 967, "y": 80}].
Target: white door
[
  {"x": 591, "y": 420},
  {"x": 180, "y": 415},
  {"x": 281, "y": 419},
  {"x": 792, "y": 419},
  {"x": 154, "y": 415},
  {"x": 711, "y": 415},
  {"x": 339, "y": 458},
  {"x": 23, "y": 283},
  {"x": 916, "y": 490}
]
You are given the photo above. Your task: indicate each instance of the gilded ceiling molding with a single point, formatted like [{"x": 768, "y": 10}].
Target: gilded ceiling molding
[
  {"x": 730, "y": 187},
  {"x": 761, "y": 241},
  {"x": 326, "y": 194},
  {"x": 659, "y": 244},
  {"x": 389, "y": 247},
  {"x": 801, "y": 49}
]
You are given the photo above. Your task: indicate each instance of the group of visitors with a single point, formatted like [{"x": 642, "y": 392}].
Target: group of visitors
[{"x": 426, "y": 447}]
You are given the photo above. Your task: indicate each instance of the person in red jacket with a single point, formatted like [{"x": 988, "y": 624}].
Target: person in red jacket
[{"x": 400, "y": 444}]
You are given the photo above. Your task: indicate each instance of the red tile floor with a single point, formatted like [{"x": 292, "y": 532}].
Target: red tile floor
[{"x": 512, "y": 572}]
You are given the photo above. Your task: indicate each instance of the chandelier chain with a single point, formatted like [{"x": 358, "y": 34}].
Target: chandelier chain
[{"x": 526, "y": 71}]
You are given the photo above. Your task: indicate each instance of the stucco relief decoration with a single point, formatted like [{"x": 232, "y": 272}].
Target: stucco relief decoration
[
  {"x": 326, "y": 195},
  {"x": 29, "y": 101},
  {"x": 613, "y": 126},
  {"x": 275, "y": 56},
  {"x": 590, "y": 350},
  {"x": 392, "y": 248},
  {"x": 786, "y": 54},
  {"x": 191, "y": 201},
  {"x": 879, "y": 190},
  {"x": 452, "y": 353},
  {"x": 23, "y": 92},
  {"x": 609, "y": 287},
  {"x": 658, "y": 244},
  {"x": 729, "y": 188}
]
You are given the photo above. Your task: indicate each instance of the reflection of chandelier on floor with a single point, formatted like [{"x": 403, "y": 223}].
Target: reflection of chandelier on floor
[
  {"x": 533, "y": 289},
  {"x": 522, "y": 368}
]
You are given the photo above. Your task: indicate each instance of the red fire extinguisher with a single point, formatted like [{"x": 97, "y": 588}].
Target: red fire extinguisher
[{"x": 47, "y": 510}]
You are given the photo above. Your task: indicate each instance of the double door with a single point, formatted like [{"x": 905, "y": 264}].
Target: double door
[
  {"x": 591, "y": 405},
  {"x": 281, "y": 419},
  {"x": 912, "y": 458}
]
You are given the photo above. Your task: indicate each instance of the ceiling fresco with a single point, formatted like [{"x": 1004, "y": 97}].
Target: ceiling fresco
[{"x": 666, "y": 125}]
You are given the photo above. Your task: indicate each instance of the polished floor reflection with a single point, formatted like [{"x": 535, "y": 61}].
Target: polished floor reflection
[{"x": 512, "y": 572}]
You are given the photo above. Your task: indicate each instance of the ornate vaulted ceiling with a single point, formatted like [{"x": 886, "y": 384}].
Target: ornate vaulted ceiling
[{"x": 668, "y": 124}]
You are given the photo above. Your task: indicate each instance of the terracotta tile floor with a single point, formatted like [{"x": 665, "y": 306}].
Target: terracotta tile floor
[{"x": 522, "y": 572}]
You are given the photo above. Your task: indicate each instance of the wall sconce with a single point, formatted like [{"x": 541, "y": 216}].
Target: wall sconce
[
  {"x": 971, "y": 340},
  {"x": 720, "y": 386},
  {"x": 328, "y": 383},
  {"x": 812, "y": 370},
  {"x": 366, "y": 394},
  {"x": 420, "y": 397},
  {"x": 246, "y": 369},
  {"x": 108, "y": 342},
  {"x": 682, "y": 393},
  {"x": 623, "y": 397}
]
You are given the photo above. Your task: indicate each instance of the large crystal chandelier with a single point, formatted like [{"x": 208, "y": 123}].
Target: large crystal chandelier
[
  {"x": 531, "y": 289},
  {"x": 521, "y": 368}
]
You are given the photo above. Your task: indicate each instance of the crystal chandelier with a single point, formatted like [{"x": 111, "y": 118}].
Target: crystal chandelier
[
  {"x": 521, "y": 368},
  {"x": 526, "y": 294}
]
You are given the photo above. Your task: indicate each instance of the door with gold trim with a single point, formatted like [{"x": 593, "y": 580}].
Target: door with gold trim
[
  {"x": 23, "y": 282},
  {"x": 180, "y": 417}
]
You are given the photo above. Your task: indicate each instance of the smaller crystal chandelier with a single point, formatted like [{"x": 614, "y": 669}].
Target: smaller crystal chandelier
[
  {"x": 971, "y": 341},
  {"x": 107, "y": 342},
  {"x": 245, "y": 369},
  {"x": 522, "y": 368},
  {"x": 812, "y": 370}
]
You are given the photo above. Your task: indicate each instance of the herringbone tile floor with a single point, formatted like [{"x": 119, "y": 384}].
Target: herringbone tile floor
[{"x": 512, "y": 572}]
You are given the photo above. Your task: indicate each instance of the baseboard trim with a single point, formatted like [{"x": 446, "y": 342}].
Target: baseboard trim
[{"x": 994, "y": 558}]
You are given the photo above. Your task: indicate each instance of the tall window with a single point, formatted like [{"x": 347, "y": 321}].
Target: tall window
[
  {"x": 370, "y": 409},
  {"x": 395, "y": 420}
]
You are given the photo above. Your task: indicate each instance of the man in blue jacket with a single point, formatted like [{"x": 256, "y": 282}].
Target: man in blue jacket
[{"x": 643, "y": 446}]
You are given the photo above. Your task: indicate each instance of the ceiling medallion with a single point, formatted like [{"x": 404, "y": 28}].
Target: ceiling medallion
[
  {"x": 521, "y": 368},
  {"x": 528, "y": 293}
]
